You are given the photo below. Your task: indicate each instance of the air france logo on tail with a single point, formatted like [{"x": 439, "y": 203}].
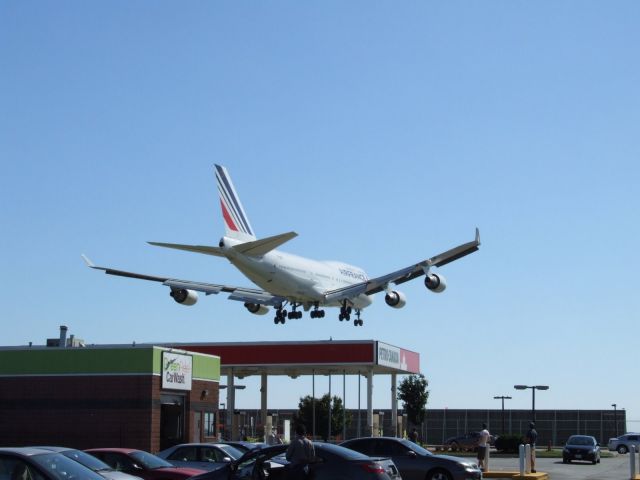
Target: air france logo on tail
[{"x": 235, "y": 219}]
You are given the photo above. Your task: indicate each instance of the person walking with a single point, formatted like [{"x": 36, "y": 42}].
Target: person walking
[
  {"x": 483, "y": 444},
  {"x": 300, "y": 454},
  {"x": 531, "y": 437}
]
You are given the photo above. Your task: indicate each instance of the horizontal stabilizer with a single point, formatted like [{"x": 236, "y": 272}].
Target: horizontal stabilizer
[
  {"x": 191, "y": 248},
  {"x": 264, "y": 245}
]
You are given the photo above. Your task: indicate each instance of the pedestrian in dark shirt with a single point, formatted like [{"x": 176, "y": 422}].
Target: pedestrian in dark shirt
[
  {"x": 531, "y": 437},
  {"x": 413, "y": 436}
]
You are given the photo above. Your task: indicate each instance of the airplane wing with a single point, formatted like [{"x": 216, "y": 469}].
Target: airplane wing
[
  {"x": 378, "y": 284},
  {"x": 242, "y": 294}
]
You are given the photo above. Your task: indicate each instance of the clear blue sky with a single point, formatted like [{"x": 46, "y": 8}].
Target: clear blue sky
[{"x": 382, "y": 132}]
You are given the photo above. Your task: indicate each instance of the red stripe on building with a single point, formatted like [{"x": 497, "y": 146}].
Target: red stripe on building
[{"x": 288, "y": 354}]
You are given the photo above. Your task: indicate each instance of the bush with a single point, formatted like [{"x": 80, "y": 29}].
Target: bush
[{"x": 508, "y": 443}]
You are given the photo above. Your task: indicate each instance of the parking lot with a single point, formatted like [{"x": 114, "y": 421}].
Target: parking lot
[{"x": 612, "y": 468}]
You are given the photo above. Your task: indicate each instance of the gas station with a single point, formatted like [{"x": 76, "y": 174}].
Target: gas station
[{"x": 308, "y": 358}]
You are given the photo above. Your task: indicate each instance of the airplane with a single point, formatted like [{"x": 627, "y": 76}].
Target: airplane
[{"x": 289, "y": 280}]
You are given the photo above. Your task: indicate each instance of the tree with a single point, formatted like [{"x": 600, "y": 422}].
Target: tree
[
  {"x": 305, "y": 415},
  {"x": 414, "y": 395}
]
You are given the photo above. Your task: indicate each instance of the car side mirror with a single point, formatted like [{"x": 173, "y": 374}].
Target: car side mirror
[
  {"x": 412, "y": 454},
  {"x": 227, "y": 459}
]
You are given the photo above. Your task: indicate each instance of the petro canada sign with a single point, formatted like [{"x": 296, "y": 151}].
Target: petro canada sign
[
  {"x": 176, "y": 371},
  {"x": 398, "y": 358}
]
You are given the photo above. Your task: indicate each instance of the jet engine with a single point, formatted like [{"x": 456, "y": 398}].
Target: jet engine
[
  {"x": 435, "y": 282},
  {"x": 395, "y": 299},
  {"x": 183, "y": 296},
  {"x": 256, "y": 308}
]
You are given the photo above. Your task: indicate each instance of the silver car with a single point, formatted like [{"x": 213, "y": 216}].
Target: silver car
[
  {"x": 92, "y": 462},
  {"x": 29, "y": 463},
  {"x": 207, "y": 456},
  {"x": 623, "y": 443}
]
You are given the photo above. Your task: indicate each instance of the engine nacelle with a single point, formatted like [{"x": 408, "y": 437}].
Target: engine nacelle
[
  {"x": 395, "y": 299},
  {"x": 256, "y": 308},
  {"x": 184, "y": 296},
  {"x": 435, "y": 282}
]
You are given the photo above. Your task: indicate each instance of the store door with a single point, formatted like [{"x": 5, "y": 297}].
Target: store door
[{"x": 172, "y": 418}]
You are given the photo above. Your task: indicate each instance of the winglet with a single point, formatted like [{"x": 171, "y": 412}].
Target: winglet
[
  {"x": 477, "y": 236},
  {"x": 87, "y": 261}
]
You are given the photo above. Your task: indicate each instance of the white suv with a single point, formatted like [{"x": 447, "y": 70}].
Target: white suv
[{"x": 623, "y": 443}]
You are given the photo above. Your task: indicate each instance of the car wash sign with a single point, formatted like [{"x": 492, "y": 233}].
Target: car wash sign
[{"x": 176, "y": 371}]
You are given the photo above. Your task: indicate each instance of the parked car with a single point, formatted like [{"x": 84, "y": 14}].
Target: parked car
[
  {"x": 468, "y": 441},
  {"x": 30, "y": 463},
  {"x": 581, "y": 447},
  {"x": 243, "y": 446},
  {"x": 332, "y": 463},
  {"x": 207, "y": 456},
  {"x": 91, "y": 462},
  {"x": 623, "y": 443},
  {"x": 142, "y": 464},
  {"x": 415, "y": 462}
]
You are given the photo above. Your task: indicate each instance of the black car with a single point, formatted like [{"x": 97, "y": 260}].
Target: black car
[
  {"x": 581, "y": 447},
  {"x": 415, "y": 462},
  {"x": 332, "y": 462}
]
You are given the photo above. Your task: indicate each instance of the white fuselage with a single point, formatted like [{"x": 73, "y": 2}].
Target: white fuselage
[{"x": 301, "y": 280}]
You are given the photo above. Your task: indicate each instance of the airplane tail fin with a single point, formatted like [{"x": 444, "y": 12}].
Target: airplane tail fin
[{"x": 236, "y": 221}]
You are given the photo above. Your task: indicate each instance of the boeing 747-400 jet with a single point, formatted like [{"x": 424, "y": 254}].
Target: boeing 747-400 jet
[{"x": 290, "y": 281}]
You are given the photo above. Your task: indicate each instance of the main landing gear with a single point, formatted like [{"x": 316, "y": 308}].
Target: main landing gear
[
  {"x": 345, "y": 314},
  {"x": 315, "y": 313},
  {"x": 281, "y": 316}
]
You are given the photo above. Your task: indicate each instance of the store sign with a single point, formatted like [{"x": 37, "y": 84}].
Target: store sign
[
  {"x": 176, "y": 371},
  {"x": 398, "y": 358}
]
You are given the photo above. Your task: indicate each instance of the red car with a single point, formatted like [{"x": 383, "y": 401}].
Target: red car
[{"x": 142, "y": 464}]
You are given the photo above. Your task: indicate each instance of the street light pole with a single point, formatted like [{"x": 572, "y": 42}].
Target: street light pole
[
  {"x": 533, "y": 396},
  {"x": 615, "y": 416},
  {"x": 503, "y": 398}
]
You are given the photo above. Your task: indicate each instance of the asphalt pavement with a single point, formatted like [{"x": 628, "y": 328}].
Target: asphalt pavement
[{"x": 613, "y": 468}]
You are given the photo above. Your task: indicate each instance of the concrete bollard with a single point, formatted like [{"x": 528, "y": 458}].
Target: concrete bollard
[
  {"x": 521, "y": 458},
  {"x": 486, "y": 458},
  {"x": 632, "y": 462},
  {"x": 527, "y": 454}
]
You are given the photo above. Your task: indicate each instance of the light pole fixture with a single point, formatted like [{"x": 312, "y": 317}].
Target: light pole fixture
[
  {"x": 503, "y": 398},
  {"x": 533, "y": 396}
]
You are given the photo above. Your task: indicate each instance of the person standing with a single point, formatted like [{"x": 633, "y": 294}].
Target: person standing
[
  {"x": 531, "y": 437},
  {"x": 300, "y": 454},
  {"x": 483, "y": 444},
  {"x": 413, "y": 436}
]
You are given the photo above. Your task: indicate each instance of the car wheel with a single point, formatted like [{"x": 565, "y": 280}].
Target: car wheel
[
  {"x": 439, "y": 474},
  {"x": 622, "y": 449},
  {"x": 564, "y": 460}
]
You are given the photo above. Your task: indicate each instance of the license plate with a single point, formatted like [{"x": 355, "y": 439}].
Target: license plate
[{"x": 578, "y": 456}]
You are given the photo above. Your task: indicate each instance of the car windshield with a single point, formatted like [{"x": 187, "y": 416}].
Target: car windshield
[
  {"x": 149, "y": 461},
  {"x": 63, "y": 468},
  {"x": 233, "y": 452},
  {"x": 87, "y": 460},
  {"x": 588, "y": 441},
  {"x": 415, "y": 447}
]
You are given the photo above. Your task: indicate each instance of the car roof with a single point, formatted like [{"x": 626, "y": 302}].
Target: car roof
[
  {"x": 55, "y": 449},
  {"x": 25, "y": 451},
  {"x": 114, "y": 450}
]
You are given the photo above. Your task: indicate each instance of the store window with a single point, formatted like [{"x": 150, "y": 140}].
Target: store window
[{"x": 209, "y": 424}]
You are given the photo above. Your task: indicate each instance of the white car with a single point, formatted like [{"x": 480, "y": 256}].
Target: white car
[{"x": 623, "y": 443}]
